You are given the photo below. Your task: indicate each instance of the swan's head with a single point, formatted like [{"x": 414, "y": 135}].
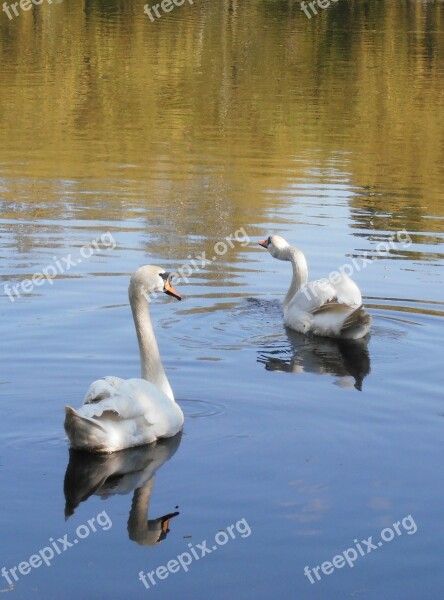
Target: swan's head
[
  {"x": 276, "y": 246},
  {"x": 150, "y": 279}
]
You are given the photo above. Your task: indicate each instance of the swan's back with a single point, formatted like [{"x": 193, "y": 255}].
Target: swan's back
[
  {"x": 329, "y": 309},
  {"x": 316, "y": 294},
  {"x": 132, "y": 413}
]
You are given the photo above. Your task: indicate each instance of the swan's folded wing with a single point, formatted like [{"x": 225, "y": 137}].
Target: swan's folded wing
[
  {"x": 314, "y": 295},
  {"x": 102, "y": 389},
  {"x": 347, "y": 292},
  {"x": 333, "y": 307},
  {"x": 132, "y": 399}
]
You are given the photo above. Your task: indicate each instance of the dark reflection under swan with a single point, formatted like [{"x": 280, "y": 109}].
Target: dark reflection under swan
[
  {"x": 306, "y": 354},
  {"x": 122, "y": 472}
]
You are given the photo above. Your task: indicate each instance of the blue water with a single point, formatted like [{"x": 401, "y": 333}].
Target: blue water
[
  {"x": 276, "y": 431},
  {"x": 295, "y": 449}
]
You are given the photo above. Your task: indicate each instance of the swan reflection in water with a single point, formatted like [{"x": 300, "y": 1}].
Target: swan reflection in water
[
  {"x": 304, "y": 354},
  {"x": 121, "y": 473}
]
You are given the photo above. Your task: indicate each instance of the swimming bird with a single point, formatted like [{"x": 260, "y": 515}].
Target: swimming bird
[
  {"x": 325, "y": 307},
  {"x": 118, "y": 413},
  {"x": 132, "y": 470}
]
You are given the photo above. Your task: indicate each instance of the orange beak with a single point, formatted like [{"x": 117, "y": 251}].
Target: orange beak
[
  {"x": 263, "y": 243},
  {"x": 165, "y": 525},
  {"x": 169, "y": 289},
  {"x": 166, "y": 521}
]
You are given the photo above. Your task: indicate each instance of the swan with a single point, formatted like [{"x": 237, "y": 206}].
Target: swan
[
  {"x": 144, "y": 531},
  {"x": 118, "y": 413},
  {"x": 321, "y": 355},
  {"x": 132, "y": 470},
  {"x": 325, "y": 307}
]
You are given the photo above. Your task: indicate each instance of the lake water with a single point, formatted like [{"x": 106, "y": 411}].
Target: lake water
[{"x": 159, "y": 140}]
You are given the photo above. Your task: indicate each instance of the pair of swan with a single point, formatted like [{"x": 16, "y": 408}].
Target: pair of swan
[
  {"x": 118, "y": 414},
  {"x": 325, "y": 307}
]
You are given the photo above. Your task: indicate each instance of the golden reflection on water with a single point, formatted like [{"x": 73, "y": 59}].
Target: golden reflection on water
[
  {"x": 172, "y": 135},
  {"x": 206, "y": 116}
]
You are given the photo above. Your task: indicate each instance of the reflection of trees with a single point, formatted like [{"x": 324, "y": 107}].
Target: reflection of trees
[{"x": 190, "y": 120}]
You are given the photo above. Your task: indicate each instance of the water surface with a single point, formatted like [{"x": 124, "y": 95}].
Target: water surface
[{"x": 224, "y": 119}]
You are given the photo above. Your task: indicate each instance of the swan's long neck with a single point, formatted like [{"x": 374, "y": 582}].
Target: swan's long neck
[
  {"x": 137, "y": 521},
  {"x": 151, "y": 364},
  {"x": 300, "y": 270}
]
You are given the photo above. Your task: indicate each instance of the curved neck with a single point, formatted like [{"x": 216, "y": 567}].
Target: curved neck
[
  {"x": 300, "y": 271},
  {"x": 137, "y": 520},
  {"x": 150, "y": 362}
]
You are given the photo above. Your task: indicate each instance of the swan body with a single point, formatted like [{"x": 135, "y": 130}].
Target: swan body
[
  {"x": 345, "y": 359},
  {"x": 121, "y": 473},
  {"x": 325, "y": 307},
  {"x": 118, "y": 413}
]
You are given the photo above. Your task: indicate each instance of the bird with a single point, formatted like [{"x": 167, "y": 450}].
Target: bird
[
  {"x": 325, "y": 307},
  {"x": 300, "y": 353},
  {"x": 120, "y": 473},
  {"x": 118, "y": 413}
]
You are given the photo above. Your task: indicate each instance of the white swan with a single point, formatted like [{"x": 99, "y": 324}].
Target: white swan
[
  {"x": 326, "y": 307},
  {"x": 118, "y": 413},
  {"x": 132, "y": 470}
]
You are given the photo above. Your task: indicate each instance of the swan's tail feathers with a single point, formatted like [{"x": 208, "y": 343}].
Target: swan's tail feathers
[
  {"x": 356, "y": 325},
  {"x": 84, "y": 433}
]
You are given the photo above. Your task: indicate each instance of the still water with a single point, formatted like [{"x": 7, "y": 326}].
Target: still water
[{"x": 158, "y": 140}]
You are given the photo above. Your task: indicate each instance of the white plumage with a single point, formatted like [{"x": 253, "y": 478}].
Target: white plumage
[
  {"x": 325, "y": 307},
  {"x": 118, "y": 413}
]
